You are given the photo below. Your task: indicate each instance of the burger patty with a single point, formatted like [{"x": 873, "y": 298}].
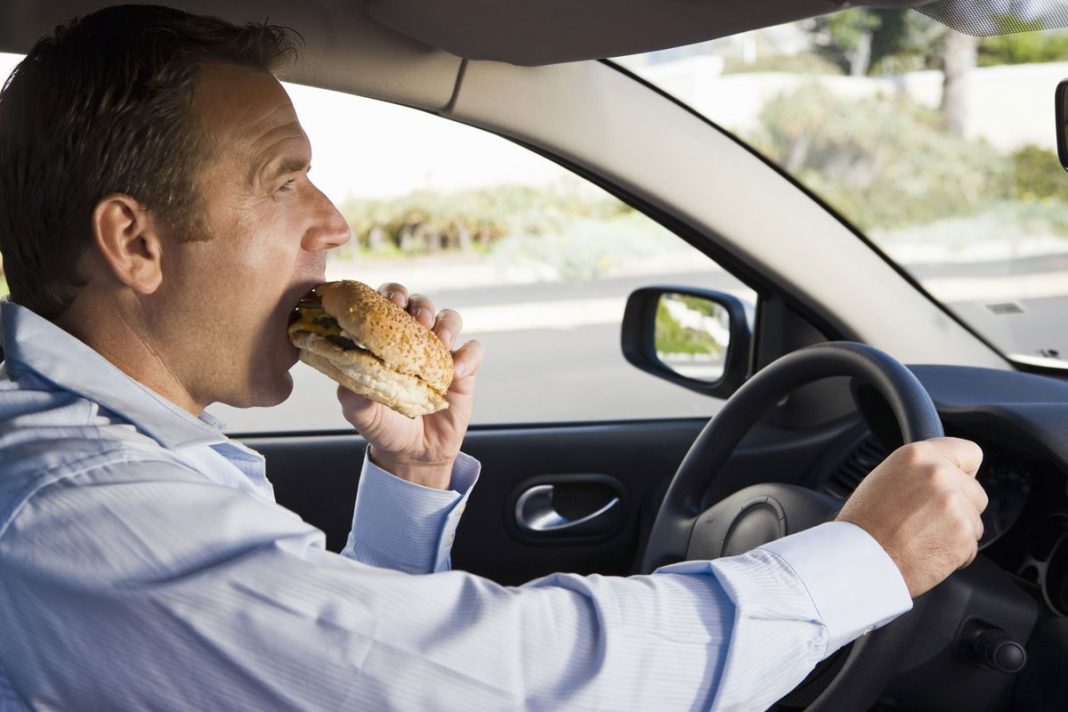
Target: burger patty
[{"x": 314, "y": 319}]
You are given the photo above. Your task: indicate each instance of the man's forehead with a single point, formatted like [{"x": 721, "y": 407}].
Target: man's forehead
[{"x": 243, "y": 105}]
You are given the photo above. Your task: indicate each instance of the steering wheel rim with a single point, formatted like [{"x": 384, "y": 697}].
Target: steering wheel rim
[{"x": 866, "y": 668}]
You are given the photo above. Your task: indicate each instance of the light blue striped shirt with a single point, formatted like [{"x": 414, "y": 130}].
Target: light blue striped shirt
[{"x": 144, "y": 564}]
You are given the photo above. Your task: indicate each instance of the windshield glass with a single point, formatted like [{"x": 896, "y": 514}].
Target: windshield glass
[{"x": 938, "y": 146}]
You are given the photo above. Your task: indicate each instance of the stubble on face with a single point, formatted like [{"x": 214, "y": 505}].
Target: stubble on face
[{"x": 225, "y": 300}]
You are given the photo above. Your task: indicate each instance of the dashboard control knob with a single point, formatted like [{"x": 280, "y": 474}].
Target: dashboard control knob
[{"x": 995, "y": 649}]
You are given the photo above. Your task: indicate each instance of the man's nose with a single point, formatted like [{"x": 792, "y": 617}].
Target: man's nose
[{"x": 329, "y": 229}]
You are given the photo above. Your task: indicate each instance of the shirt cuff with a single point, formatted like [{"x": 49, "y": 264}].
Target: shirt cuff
[
  {"x": 405, "y": 526},
  {"x": 854, "y": 584}
]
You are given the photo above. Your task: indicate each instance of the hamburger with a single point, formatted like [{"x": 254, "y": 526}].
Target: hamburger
[{"x": 373, "y": 347}]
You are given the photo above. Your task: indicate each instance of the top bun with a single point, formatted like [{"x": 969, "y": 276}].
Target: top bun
[{"x": 388, "y": 331}]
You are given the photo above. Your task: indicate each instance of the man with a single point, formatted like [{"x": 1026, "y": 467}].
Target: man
[{"x": 157, "y": 224}]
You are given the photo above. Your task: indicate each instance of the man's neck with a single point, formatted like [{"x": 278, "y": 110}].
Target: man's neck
[{"x": 118, "y": 333}]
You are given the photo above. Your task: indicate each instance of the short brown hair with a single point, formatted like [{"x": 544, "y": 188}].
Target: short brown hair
[{"x": 104, "y": 106}]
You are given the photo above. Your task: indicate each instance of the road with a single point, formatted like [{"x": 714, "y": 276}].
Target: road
[{"x": 552, "y": 350}]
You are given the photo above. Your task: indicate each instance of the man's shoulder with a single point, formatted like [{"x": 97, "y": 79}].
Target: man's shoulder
[
  {"x": 58, "y": 427},
  {"x": 47, "y": 436}
]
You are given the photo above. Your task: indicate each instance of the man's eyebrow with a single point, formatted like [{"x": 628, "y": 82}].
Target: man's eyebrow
[{"x": 273, "y": 169}]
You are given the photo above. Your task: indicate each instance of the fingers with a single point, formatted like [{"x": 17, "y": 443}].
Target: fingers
[
  {"x": 980, "y": 528},
  {"x": 418, "y": 305},
  {"x": 965, "y": 454},
  {"x": 422, "y": 309},
  {"x": 394, "y": 292},
  {"x": 967, "y": 457},
  {"x": 466, "y": 360},
  {"x": 973, "y": 552},
  {"x": 447, "y": 326},
  {"x": 975, "y": 493}
]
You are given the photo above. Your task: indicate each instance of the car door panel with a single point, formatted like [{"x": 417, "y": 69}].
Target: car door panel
[{"x": 587, "y": 464}]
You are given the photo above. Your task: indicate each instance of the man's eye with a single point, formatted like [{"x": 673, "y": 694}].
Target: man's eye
[{"x": 288, "y": 186}]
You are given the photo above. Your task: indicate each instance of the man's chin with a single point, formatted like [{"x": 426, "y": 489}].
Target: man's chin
[{"x": 268, "y": 392}]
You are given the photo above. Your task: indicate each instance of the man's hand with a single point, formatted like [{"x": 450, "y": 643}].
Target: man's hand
[
  {"x": 420, "y": 450},
  {"x": 922, "y": 504}
]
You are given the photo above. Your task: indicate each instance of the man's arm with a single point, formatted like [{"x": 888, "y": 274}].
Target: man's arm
[
  {"x": 406, "y": 526},
  {"x": 144, "y": 586}
]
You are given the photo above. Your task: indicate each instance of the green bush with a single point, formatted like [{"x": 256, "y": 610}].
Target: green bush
[
  {"x": 1023, "y": 48},
  {"x": 671, "y": 337},
  {"x": 882, "y": 162},
  {"x": 470, "y": 220},
  {"x": 1038, "y": 175}
]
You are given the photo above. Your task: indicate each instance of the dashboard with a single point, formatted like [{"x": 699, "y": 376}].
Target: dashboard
[{"x": 1019, "y": 582}]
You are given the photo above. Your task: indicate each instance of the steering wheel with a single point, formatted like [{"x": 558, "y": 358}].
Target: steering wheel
[{"x": 761, "y": 513}]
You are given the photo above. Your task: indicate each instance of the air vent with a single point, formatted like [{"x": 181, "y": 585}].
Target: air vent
[{"x": 854, "y": 468}]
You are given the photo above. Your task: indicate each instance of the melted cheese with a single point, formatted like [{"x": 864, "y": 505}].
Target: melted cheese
[{"x": 308, "y": 322}]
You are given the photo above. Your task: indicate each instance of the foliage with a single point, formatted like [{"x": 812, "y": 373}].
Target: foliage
[
  {"x": 426, "y": 221},
  {"x": 1038, "y": 175},
  {"x": 899, "y": 40},
  {"x": 882, "y": 162},
  {"x": 843, "y": 37},
  {"x": 862, "y": 41},
  {"x": 671, "y": 337},
  {"x": 1023, "y": 48}
]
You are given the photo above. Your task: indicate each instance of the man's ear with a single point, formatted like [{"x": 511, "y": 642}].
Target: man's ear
[{"x": 129, "y": 240}]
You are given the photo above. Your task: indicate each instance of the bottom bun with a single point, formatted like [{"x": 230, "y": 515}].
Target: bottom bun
[{"x": 366, "y": 375}]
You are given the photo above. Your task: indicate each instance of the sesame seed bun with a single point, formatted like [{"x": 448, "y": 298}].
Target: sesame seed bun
[{"x": 377, "y": 349}]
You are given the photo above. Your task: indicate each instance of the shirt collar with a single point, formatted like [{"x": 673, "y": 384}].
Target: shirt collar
[{"x": 32, "y": 343}]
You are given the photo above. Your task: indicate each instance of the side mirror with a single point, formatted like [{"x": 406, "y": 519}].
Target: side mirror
[{"x": 697, "y": 338}]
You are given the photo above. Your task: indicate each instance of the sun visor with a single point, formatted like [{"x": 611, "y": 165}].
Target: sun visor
[{"x": 536, "y": 32}]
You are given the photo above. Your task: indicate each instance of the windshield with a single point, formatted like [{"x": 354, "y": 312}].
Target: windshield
[{"x": 937, "y": 146}]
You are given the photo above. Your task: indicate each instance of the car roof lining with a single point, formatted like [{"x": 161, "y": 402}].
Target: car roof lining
[
  {"x": 539, "y": 32},
  {"x": 524, "y": 32},
  {"x": 339, "y": 36}
]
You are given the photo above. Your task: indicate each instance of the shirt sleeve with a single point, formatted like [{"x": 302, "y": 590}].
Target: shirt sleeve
[
  {"x": 143, "y": 586},
  {"x": 405, "y": 526},
  {"x": 802, "y": 596}
]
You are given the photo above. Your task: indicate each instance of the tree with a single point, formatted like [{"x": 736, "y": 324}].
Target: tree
[
  {"x": 959, "y": 54},
  {"x": 845, "y": 38},
  {"x": 863, "y": 41}
]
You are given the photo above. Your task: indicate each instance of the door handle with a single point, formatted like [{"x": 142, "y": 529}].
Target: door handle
[{"x": 534, "y": 512}]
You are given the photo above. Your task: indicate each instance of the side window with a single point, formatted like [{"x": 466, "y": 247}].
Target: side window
[{"x": 537, "y": 261}]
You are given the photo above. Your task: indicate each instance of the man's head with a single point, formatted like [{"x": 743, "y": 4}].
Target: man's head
[
  {"x": 104, "y": 106},
  {"x": 154, "y": 199}
]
